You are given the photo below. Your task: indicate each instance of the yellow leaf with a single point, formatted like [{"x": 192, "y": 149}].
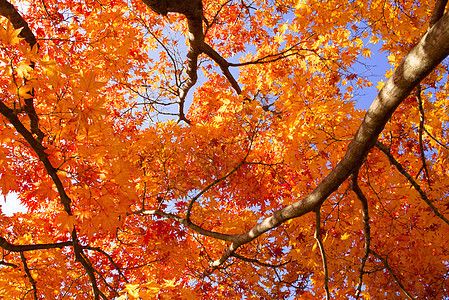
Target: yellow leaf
[
  {"x": 149, "y": 294},
  {"x": 9, "y": 35},
  {"x": 345, "y": 236},
  {"x": 367, "y": 53},
  {"x": 65, "y": 221},
  {"x": 89, "y": 84}
]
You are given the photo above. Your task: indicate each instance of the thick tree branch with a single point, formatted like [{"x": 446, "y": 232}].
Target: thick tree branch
[
  {"x": 427, "y": 54},
  {"x": 193, "y": 11},
  {"x": 82, "y": 259},
  {"x": 417, "y": 187},
  {"x": 438, "y": 12},
  {"x": 23, "y": 248}
]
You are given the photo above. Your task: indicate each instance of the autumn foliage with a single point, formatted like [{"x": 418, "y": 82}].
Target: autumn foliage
[{"x": 213, "y": 150}]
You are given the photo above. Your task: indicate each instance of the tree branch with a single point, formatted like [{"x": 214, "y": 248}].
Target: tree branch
[
  {"x": 224, "y": 66},
  {"x": 387, "y": 266},
  {"x": 436, "y": 140},
  {"x": 23, "y": 248},
  {"x": 438, "y": 12},
  {"x": 193, "y": 200},
  {"x": 401, "y": 170},
  {"x": 420, "y": 132},
  {"x": 322, "y": 252},
  {"x": 193, "y": 11},
  {"x": 271, "y": 57},
  {"x": 111, "y": 260},
  {"x": 355, "y": 187},
  {"x": 9, "y": 11},
  {"x": 28, "y": 273},
  {"x": 40, "y": 151},
  {"x": 79, "y": 257},
  {"x": 427, "y": 54},
  {"x": 258, "y": 262},
  {"x": 4, "y": 263},
  {"x": 189, "y": 224}
]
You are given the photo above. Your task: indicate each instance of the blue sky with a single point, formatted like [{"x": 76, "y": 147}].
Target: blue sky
[{"x": 377, "y": 66}]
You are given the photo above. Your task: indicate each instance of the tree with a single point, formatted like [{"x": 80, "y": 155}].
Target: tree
[{"x": 261, "y": 181}]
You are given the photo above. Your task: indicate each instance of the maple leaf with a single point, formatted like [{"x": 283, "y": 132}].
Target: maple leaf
[
  {"x": 9, "y": 35},
  {"x": 217, "y": 151}
]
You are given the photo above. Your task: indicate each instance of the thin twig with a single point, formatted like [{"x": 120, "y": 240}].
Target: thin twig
[
  {"x": 355, "y": 187},
  {"x": 258, "y": 262},
  {"x": 189, "y": 224},
  {"x": 436, "y": 140},
  {"x": 111, "y": 260},
  {"x": 270, "y": 57},
  {"x": 387, "y": 266},
  {"x": 401, "y": 170},
  {"x": 215, "y": 182},
  {"x": 323, "y": 253},
  {"x": 420, "y": 132}
]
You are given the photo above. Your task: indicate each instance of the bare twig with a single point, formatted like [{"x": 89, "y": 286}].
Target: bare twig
[
  {"x": 417, "y": 187},
  {"x": 322, "y": 252}
]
